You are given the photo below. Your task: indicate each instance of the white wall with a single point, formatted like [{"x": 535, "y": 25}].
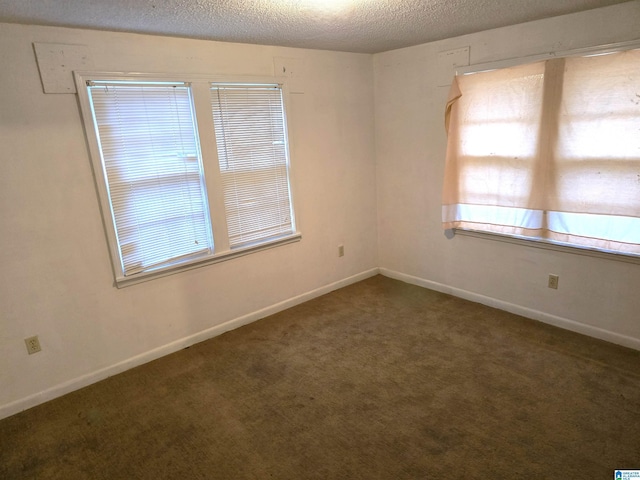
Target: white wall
[
  {"x": 596, "y": 296},
  {"x": 56, "y": 275}
]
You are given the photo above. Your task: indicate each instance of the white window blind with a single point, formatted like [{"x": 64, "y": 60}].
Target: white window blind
[
  {"x": 150, "y": 156},
  {"x": 253, "y": 157}
]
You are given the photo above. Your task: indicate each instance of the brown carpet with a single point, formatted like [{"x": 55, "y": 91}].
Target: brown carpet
[{"x": 379, "y": 380}]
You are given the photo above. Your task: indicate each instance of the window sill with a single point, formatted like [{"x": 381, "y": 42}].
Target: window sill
[
  {"x": 201, "y": 262},
  {"x": 546, "y": 245}
]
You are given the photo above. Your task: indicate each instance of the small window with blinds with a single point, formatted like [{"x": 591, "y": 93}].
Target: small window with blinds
[
  {"x": 253, "y": 157},
  {"x": 161, "y": 212}
]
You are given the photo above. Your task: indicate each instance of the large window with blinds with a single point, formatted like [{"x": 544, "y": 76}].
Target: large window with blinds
[
  {"x": 188, "y": 172},
  {"x": 548, "y": 151}
]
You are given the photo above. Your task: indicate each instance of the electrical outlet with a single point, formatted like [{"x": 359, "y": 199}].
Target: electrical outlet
[
  {"x": 341, "y": 250},
  {"x": 553, "y": 281},
  {"x": 33, "y": 344}
]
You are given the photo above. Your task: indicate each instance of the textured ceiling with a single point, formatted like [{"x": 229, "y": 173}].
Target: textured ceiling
[{"x": 367, "y": 26}]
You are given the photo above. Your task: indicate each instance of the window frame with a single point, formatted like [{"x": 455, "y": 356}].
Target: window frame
[
  {"x": 535, "y": 242},
  {"x": 205, "y": 135}
]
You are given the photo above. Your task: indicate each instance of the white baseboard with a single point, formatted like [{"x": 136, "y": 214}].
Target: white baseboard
[
  {"x": 561, "y": 322},
  {"x": 93, "y": 377}
]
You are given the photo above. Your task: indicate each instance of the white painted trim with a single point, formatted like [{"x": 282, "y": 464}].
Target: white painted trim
[
  {"x": 576, "y": 52},
  {"x": 561, "y": 322},
  {"x": 206, "y": 260},
  {"x": 549, "y": 245},
  {"x": 93, "y": 377}
]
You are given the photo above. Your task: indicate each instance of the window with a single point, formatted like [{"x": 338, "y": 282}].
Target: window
[
  {"x": 252, "y": 154},
  {"x": 187, "y": 172},
  {"x": 548, "y": 151}
]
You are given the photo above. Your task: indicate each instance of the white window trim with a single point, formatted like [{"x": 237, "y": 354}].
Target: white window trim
[
  {"x": 209, "y": 260},
  {"x": 200, "y": 85},
  {"x": 542, "y": 243},
  {"x": 548, "y": 245},
  {"x": 576, "y": 52}
]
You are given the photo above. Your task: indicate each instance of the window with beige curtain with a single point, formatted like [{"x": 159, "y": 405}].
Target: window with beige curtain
[{"x": 548, "y": 151}]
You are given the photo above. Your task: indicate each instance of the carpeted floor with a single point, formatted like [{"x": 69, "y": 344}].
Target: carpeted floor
[{"x": 379, "y": 380}]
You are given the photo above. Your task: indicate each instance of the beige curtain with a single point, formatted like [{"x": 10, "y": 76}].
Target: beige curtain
[{"x": 548, "y": 150}]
